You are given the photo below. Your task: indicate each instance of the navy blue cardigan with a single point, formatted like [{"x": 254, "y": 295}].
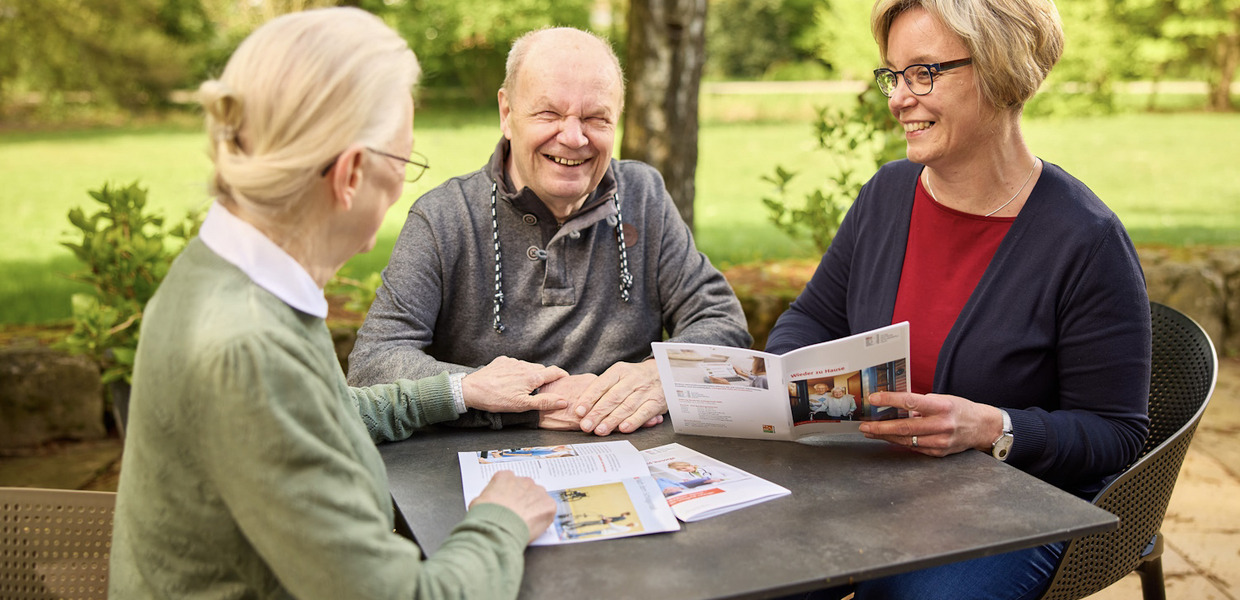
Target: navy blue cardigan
[{"x": 1057, "y": 331}]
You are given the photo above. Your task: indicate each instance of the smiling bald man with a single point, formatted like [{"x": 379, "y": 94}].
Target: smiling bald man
[{"x": 553, "y": 253}]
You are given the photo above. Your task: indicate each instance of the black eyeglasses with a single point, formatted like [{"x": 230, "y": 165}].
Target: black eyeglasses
[
  {"x": 919, "y": 78},
  {"x": 414, "y": 166}
]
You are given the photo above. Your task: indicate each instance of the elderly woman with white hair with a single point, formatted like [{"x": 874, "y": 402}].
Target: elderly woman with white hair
[
  {"x": 1029, "y": 320},
  {"x": 250, "y": 466}
]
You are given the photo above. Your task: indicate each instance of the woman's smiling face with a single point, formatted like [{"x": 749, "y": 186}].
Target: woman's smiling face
[{"x": 948, "y": 122}]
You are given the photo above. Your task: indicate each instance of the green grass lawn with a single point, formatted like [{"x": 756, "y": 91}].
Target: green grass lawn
[{"x": 1170, "y": 177}]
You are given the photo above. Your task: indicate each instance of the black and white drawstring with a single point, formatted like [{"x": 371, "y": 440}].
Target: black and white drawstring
[
  {"x": 499, "y": 272},
  {"x": 626, "y": 279},
  {"x": 616, "y": 220}
]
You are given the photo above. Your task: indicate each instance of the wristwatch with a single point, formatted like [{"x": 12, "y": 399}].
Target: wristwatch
[{"x": 1000, "y": 447}]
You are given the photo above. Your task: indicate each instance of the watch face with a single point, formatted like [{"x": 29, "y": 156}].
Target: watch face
[{"x": 1002, "y": 446}]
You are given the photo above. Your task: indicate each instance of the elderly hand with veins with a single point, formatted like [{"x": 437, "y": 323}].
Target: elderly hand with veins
[
  {"x": 508, "y": 385},
  {"x": 626, "y": 397}
]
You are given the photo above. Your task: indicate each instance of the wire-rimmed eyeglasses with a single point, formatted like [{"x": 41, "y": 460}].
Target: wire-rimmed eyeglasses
[
  {"x": 415, "y": 166},
  {"x": 919, "y": 78}
]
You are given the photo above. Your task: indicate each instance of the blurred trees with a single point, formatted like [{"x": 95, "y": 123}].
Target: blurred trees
[
  {"x": 464, "y": 43},
  {"x": 127, "y": 52},
  {"x": 763, "y": 39},
  {"x": 1193, "y": 38},
  {"x": 131, "y": 53}
]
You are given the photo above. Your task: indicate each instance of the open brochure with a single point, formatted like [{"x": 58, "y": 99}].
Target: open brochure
[
  {"x": 699, "y": 487},
  {"x": 812, "y": 390},
  {"x": 601, "y": 489}
]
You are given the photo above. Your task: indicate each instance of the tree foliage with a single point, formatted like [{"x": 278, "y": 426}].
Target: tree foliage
[
  {"x": 843, "y": 39},
  {"x": 755, "y": 39},
  {"x": 1196, "y": 33},
  {"x": 464, "y": 43},
  {"x": 127, "y": 52},
  {"x": 857, "y": 141}
]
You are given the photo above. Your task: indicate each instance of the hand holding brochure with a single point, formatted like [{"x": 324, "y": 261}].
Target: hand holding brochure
[
  {"x": 735, "y": 392},
  {"x": 699, "y": 487},
  {"x": 601, "y": 489}
]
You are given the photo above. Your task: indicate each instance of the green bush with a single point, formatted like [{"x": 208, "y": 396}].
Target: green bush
[
  {"x": 858, "y": 141},
  {"x": 126, "y": 254}
]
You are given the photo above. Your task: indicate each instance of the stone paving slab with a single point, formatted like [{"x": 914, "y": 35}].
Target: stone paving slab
[{"x": 61, "y": 466}]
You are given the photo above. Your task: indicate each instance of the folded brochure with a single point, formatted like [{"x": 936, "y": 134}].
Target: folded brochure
[
  {"x": 818, "y": 389},
  {"x": 699, "y": 487}
]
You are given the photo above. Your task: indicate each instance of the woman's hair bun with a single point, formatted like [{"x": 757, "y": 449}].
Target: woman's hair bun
[{"x": 224, "y": 111}]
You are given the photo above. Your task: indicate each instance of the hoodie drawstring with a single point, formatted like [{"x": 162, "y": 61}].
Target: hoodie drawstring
[{"x": 626, "y": 278}]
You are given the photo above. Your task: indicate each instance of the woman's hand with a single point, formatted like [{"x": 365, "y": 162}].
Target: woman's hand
[
  {"x": 507, "y": 385},
  {"x": 941, "y": 424},
  {"x": 520, "y": 494},
  {"x": 563, "y": 418}
]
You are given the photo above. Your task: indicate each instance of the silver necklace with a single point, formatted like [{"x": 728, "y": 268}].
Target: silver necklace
[{"x": 1001, "y": 206}]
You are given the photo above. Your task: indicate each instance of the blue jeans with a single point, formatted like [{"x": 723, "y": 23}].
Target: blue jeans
[{"x": 1018, "y": 575}]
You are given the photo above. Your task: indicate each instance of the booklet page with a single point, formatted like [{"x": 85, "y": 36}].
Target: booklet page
[
  {"x": 699, "y": 487},
  {"x": 601, "y": 489},
  {"x": 819, "y": 389}
]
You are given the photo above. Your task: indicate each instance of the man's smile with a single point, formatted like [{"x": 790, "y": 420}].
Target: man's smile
[{"x": 568, "y": 162}]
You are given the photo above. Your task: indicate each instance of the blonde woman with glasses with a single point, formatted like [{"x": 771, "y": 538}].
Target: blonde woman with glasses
[
  {"x": 250, "y": 466},
  {"x": 1029, "y": 321}
]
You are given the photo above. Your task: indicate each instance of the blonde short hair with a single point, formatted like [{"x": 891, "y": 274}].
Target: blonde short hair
[
  {"x": 298, "y": 90},
  {"x": 1013, "y": 43}
]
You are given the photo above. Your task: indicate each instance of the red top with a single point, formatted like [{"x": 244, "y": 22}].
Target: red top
[{"x": 947, "y": 253}]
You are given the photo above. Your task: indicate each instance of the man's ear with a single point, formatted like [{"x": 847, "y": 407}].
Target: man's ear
[
  {"x": 345, "y": 178},
  {"x": 505, "y": 112}
]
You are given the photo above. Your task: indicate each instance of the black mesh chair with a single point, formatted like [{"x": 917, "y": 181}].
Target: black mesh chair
[{"x": 1185, "y": 368}]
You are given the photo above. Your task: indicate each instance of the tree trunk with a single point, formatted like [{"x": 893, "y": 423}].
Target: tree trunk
[
  {"x": 1227, "y": 57},
  {"x": 666, "y": 52}
]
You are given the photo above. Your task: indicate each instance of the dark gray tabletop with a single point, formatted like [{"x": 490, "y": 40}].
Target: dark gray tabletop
[{"x": 859, "y": 509}]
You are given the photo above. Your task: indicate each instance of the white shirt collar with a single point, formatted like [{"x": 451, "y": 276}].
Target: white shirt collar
[{"x": 268, "y": 265}]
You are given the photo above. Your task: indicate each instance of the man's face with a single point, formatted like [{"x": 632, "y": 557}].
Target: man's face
[
  {"x": 820, "y": 389},
  {"x": 561, "y": 119}
]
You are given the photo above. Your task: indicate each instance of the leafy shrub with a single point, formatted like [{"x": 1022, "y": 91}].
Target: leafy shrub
[
  {"x": 858, "y": 141},
  {"x": 358, "y": 294},
  {"x": 125, "y": 252}
]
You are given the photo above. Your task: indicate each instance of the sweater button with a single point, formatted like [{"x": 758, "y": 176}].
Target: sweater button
[
  {"x": 574, "y": 234},
  {"x": 534, "y": 253},
  {"x": 530, "y": 219}
]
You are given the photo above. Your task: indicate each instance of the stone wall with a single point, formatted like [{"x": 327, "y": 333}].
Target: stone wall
[
  {"x": 1203, "y": 283},
  {"x": 45, "y": 395}
]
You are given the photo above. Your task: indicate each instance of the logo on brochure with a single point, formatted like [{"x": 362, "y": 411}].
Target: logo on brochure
[{"x": 768, "y": 429}]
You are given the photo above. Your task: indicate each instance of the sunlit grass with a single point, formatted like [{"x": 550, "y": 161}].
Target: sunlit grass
[{"x": 1170, "y": 177}]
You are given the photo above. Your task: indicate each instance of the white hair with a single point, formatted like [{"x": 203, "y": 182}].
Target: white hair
[{"x": 295, "y": 93}]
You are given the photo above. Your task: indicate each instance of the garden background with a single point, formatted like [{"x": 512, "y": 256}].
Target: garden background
[{"x": 95, "y": 92}]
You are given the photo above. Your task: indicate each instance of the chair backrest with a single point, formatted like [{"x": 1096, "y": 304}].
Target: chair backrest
[
  {"x": 1182, "y": 380},
  {"x": 54, "y": 543}
]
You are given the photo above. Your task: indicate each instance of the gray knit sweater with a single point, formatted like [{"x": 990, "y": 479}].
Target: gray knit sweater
[{"x": 561, "y": 284}]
